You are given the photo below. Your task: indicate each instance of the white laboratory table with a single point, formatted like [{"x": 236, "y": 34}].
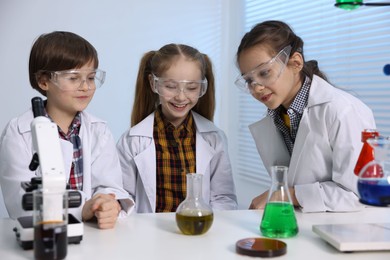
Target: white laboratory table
[{"x": 156, "y": 236}]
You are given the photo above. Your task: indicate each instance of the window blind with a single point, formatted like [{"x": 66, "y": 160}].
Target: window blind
[{"x": 351, "y": 47}]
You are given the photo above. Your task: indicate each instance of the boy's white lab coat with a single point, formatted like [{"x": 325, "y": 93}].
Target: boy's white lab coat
[
  {"x": 326, "y": 148},
  {"x": 101, "y": 172},
  {"x": 137, "y": 154}
]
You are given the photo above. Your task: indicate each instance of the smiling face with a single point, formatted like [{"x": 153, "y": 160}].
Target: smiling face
[
  {"x": 280, "y": 92},
  {"x": 176, "y": 108}
]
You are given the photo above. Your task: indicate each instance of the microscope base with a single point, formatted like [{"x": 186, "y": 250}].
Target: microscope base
[{"x": 24, "y": 231}]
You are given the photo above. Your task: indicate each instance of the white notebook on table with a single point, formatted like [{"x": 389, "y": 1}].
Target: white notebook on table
[{"x": 355, "y": 237}]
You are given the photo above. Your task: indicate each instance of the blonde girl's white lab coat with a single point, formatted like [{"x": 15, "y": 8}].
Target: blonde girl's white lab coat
[
  {"x": 137, "y": 155},
  {"x": 102, "y": 172},
  {"x": 326, "y": 149}
]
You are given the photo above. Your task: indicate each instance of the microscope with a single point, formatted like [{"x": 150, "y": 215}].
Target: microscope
[{"x": 47, "y": 156}]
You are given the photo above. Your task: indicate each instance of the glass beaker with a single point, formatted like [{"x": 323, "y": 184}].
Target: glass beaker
[
  {"x": 279, "y": 216},
  {"x": 374, "y": 177},
  {"x": 193, "y": 215},
  {"x": 50, "y": 219}
]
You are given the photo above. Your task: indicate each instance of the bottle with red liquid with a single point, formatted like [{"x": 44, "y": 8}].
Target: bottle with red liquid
[{"x": 367, "y": 154}]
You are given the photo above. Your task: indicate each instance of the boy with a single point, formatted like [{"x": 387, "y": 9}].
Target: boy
[{"x": 63, "y": 68}]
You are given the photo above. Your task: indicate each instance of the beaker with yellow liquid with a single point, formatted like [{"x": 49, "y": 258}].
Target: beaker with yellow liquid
[{"x": 194, "y": 216}]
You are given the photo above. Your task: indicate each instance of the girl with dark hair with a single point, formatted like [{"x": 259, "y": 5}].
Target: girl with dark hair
[{"x": 311, "y": 126}]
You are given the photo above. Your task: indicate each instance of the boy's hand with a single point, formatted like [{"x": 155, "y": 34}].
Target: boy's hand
[{"x": 104, "y": 207}]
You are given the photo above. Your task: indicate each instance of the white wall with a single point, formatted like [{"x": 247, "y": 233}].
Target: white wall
[
  {"x": 121, "y": 31},
  {"x": 233, "y": 31}
]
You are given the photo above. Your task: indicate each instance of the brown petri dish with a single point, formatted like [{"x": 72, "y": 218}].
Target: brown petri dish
[{"x": 261, "y": 247}]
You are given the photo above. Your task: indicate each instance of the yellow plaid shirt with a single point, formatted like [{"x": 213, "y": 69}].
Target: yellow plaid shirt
[{"x": 175, "y": 157}]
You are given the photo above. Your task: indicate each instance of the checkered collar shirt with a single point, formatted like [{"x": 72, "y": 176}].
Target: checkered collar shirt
[
  {"x": 76, "y": 171},
  {"x": 175, "y": 157},
  {"x": 294, "y": 112}
]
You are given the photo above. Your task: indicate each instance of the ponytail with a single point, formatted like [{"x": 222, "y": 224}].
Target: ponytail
[
  {"x": 145, "y": 100},
  {"x": 311, "y": 68},
  {"x": 206, "y": 104}
]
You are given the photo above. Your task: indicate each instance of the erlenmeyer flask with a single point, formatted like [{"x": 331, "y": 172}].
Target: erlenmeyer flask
[
  {"x": 279, "y": 216},
  {"x": 194, "y": 216}
]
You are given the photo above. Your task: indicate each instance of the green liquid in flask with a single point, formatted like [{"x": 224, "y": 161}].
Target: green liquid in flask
[{"x": 279, "y": 220}]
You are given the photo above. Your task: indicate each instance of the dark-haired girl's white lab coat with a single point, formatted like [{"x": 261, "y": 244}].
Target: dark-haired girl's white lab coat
[{"x": 327, "y": 146}]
